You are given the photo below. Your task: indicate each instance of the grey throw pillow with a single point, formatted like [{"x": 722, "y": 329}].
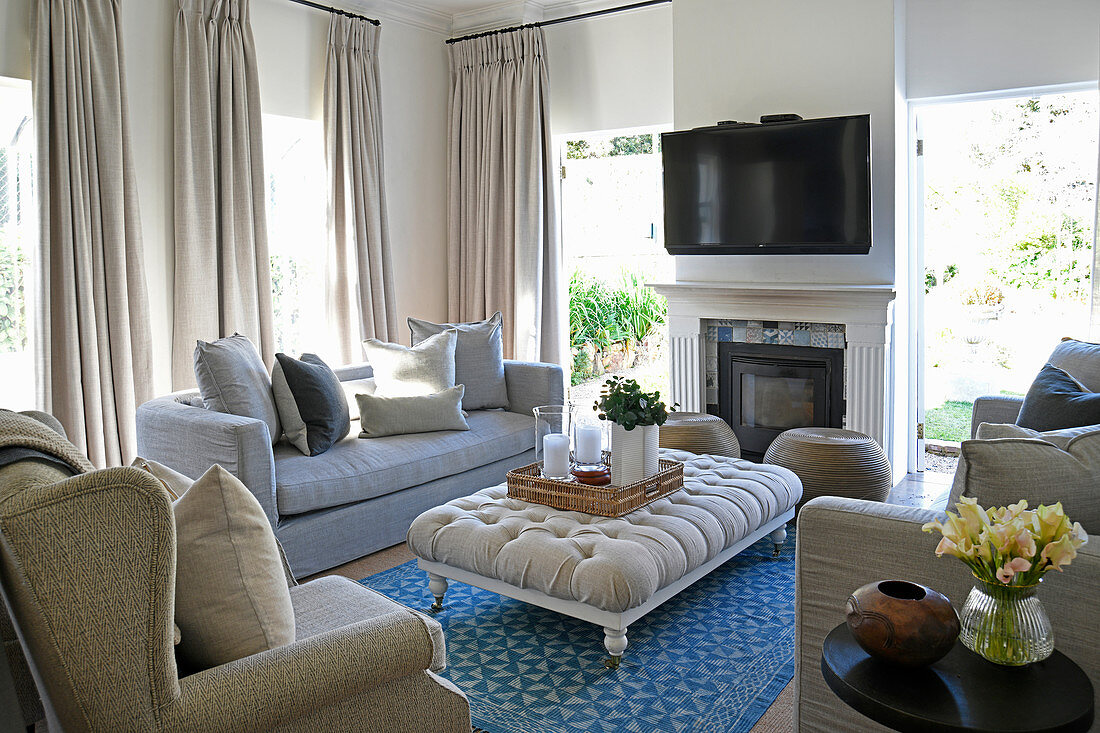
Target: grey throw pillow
[
  {"x": 381, "y": 416},
  {"x": 1056, "y": 400},
  {"x": 233, "y": 379},
  {"x": 402, "y": 371},
  {"x": 479, "y": 359},
  {"x": 311, "y": 402},
  {"x": 1006, "y": 463}
]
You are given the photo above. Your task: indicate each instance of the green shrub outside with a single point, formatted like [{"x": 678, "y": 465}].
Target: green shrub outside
[
  {"x": 600, "y": 315},
  {"x": 13, "y": 315}
]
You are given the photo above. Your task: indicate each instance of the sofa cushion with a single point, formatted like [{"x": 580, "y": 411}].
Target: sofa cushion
[
  {"x": 356, "y": 470},
  {"x": 401, "y": 371},
  {"x": 311, "y": 402},
  {"x": 232, "y": 378},
  {"x": 1056, "y": 400},
  {"x": 383, "y": 416},
  {"x": 354, "y": 387},
  {"x": 479, "y": 359}
]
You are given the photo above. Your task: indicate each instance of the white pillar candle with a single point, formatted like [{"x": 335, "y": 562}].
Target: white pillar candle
[
  {"x": 589, "y": 444},
  {"x": 555, "y": 455}
]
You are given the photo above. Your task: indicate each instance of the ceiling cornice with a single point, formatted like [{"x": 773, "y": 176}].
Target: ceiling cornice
[
  {"x": 403, "y": 11},
  {"x": 488, "y": 17},
  {"x": 499, "y": 15}
]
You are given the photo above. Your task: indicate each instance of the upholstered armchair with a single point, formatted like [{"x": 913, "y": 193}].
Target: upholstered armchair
[
  {"x": 87, "y": 570},
  {"x": 846, "y": 543}
]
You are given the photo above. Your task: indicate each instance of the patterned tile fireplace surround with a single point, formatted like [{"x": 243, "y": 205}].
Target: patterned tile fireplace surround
[{"x": 855, "y": 318}]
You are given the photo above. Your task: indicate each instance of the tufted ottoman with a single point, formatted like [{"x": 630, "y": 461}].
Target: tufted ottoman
[{"x": 609, "y": 572}]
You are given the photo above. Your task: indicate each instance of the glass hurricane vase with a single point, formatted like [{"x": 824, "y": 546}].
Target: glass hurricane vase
[{"x": 1006, "y": 624}]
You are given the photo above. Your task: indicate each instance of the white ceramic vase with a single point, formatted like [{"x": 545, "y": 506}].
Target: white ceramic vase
[{"x": 633, "y": 453}]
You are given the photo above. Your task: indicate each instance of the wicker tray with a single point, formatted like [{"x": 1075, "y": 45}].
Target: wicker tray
[{"x": 607, "y": 501}]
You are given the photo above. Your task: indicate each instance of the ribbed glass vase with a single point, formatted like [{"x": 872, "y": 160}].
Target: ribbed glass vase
[{"x": 1006, "y": 624}]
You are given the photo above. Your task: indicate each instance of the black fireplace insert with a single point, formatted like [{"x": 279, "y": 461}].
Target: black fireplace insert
[{"x": 764, "y": 389}]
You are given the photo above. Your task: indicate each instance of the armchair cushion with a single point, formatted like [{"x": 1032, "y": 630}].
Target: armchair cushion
[
  {"x": 333, "y": 601},
  {"x": 1056, "y": 400},
  {"x": 232, "y": 599},
  {"x": 1080, "y": 359},
  {"x": 1043, "y": 468},
  {"x": 479, "y": 359},
  {"x": 232, "y": 378}
]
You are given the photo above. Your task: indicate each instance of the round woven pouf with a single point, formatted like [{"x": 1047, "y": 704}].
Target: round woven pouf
[
  {"x": 697, "y": 432},
  {"x": 833, "y": 462}
]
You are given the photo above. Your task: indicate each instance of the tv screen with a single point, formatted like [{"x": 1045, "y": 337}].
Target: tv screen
[{"x": 778, "y": 188}]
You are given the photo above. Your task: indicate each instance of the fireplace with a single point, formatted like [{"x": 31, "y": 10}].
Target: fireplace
[{"x": 764, "y": 389}]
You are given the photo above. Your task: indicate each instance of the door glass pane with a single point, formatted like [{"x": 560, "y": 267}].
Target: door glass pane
[
  {"x": 776, "y": 403},
  {"x": 18, "y": 243}
]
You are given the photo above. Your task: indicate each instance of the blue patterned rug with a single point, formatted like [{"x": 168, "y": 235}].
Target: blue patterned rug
[{"x": 713, "y": 658}]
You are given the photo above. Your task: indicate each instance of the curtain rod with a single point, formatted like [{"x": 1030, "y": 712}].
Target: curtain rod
[
  {"x": 555, "y": 21},
  {"x": 336, "y": 11}
]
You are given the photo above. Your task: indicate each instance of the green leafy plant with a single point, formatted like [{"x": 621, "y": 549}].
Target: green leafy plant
[
  {"x": 13, "y": 312},
  {"x": 623, "y": 402},
  {"x": 582, "y": 368},
  {"x": 600, "y": 315}
]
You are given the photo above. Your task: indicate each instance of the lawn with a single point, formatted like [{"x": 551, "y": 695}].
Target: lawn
[{"x": 950, "y": 421}]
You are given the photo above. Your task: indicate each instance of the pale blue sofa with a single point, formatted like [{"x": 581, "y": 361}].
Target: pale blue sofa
[{"x": 362, "y": 494}]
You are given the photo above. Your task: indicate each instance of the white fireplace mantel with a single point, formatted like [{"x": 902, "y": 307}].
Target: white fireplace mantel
[{"x": 863, "y": 309}]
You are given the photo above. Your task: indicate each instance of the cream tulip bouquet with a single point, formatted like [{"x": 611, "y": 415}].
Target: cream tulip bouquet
[{"x": 1011, "y": 546}]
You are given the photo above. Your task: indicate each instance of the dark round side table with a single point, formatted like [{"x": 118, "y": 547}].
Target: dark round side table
[{"x": 961, "y": 692}]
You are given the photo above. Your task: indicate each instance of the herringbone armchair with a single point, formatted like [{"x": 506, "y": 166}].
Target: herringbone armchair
[{"x": 87, "y": 570}]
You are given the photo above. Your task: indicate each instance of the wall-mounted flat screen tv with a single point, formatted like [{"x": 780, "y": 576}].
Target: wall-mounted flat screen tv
[{"x": 799, "y": 187}]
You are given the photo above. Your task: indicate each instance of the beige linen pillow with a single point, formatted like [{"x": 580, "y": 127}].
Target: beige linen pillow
[
  {"x": 174, "y": 482},
  {"x": 353, "y": 387},
  {"x": 381, "y": 416},
  {"x": 1006, "y": 463},
  {"x": 232, "y": 598},
  {"x": 403, "y": 371}
]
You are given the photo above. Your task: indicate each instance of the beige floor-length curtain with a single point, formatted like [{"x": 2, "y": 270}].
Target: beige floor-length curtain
[
  {"x": 359, "y": 295},
  {"x": 94, "y": 354},
  {"x": 504, "y": 252},
  {"x": 223, "y": 272}
]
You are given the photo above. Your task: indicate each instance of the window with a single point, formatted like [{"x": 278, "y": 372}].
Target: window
[
  {"x": 297, "y": 231},
  {"x": 18, "y": 242},
  {"x": 613, "y": 243}
]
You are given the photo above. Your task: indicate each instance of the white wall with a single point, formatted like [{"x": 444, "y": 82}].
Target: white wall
[
  {"x": 741, "y": 60},
  {"x": 957, "y": 47},
  {"x": 611, "y": 72},
  {"x": 15, "y": 38},
  {"x": 147, "y": 41}
]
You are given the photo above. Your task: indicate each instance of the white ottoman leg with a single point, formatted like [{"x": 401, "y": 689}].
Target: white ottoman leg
[
  {"x": 614, "y": 640},
  {"x": 437, "y": 584},
  {"x": 779, "y": 536}
]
